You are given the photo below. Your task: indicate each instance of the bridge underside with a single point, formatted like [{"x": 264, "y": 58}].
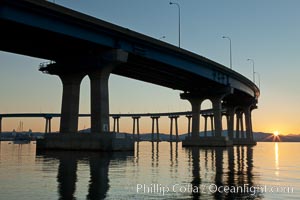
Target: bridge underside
[
  {"x": 58, "y": 47},
  {"x": 48, "y": 45}
]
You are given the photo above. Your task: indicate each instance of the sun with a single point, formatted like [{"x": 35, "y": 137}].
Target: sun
[
  {"x": 276, "y": 133},
  {"x": 276, "y": 137}
]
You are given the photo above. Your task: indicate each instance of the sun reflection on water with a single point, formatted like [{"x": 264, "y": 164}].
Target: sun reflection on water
[{"x": 276, "y": 159}]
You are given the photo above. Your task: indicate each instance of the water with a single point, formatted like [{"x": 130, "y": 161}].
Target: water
[{"x": 148, "y": 172}]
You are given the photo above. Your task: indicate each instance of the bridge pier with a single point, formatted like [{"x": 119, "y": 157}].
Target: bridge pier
[
  {"x": 175, "y": 117},
  {"x": 48, "y": 124},
  {"x": 205, "y": 125},
  {"x": 239, "y": 125},
  {"x": 237, "y": 129},
  {"x": 71, "y": 71},
  {"x": 189, "y": 124},
  {"x": 217, "y": 107},
  {"x": 206, "y": 116},
  {"x": 116, "y": 128},
  {"x": 217, "y": 139},
  {"x": 244, "y": 137},
  {"x": 155, "y": 119},
  {"x": 249, "y": 134},
  {"x": 230, "y": 122},
  {"x": 212, "y": 125},
  {"x": 99, "y": 100},
  {"x": 137, "y": 118},
  {"x": 70, "y": 102},
  {"x": 242, "y": 133},
  {"x": 195, "y": 101}
]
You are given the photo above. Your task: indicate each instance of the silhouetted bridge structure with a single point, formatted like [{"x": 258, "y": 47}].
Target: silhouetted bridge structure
[
  {"x": 173, "y": 116},
  {"x": 116, "y": 117},
  {"x": 79, "y": 45}
]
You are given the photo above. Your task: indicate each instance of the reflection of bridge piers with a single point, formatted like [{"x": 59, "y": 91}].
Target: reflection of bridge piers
[
  {"x": 238, "y": 168},
  {"x": 67, "y": 178}
]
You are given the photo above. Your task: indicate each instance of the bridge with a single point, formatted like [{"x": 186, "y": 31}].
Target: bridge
[
  {"x": 173, "y": 116},
  {"x": 79, "y": 45}
]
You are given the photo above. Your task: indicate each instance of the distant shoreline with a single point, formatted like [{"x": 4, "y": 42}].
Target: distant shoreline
[{"x": 258, "y": 136}]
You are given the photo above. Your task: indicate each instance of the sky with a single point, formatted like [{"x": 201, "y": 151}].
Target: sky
[{"x": 266, "y": 31}]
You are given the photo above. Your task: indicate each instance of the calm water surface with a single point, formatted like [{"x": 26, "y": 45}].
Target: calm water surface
[{"x": 147, "y": 173}]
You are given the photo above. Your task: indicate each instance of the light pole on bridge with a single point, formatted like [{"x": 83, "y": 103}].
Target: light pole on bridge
[
  {"x": 253, "y": 70},
  {"x": 179, "y": 30},
  {"x": 229, "y": 50},
  {"x": 258, "y": 75}
]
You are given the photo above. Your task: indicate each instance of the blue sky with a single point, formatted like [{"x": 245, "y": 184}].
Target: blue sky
[{"x": 266, "y": 31}]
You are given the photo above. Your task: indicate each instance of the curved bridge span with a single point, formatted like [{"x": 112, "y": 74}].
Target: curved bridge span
[{"x": 79, "y": 45}]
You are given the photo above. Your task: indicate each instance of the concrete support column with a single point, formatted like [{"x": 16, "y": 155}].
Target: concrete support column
[
  {"x": 0, "y": 125},
  {"x": 157, "y": 130},
  {"x": 237, "y": 130},
  {"x": 189, "y": 124},
  {"x": 195, "y": 99},
  {"x": 137, "y": 125},
  {"x": 155, "y": 120},
  {"x": 176, "y": 127},
  {"x": 116, "y": 124},
  {"x": 196, "y": 104},
  {"x": 138, "y": 128},
  {"x": 212, "y": 125},
  {"x": 99, "y": 100},
  {"x": 133, "y": 127},
  {"x": 230, "y": 122},
  {"x": 70, "y": 102},
  {"x": 171, "y": 128},
  {"x": 227, "y": 122},
  {"x": 247, "y": 112},
  {"x": 242, "y": 133},
  {"x": 99, "y": 76},
  {"x": 48, "y": 124},
  {"x": 217, "y": 108},
  {"x": 251, "y": 127},
  {"x": 205, "y": 125}
]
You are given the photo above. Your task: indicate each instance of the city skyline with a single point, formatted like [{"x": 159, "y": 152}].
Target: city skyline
[{"x": 256, "y": 30}]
